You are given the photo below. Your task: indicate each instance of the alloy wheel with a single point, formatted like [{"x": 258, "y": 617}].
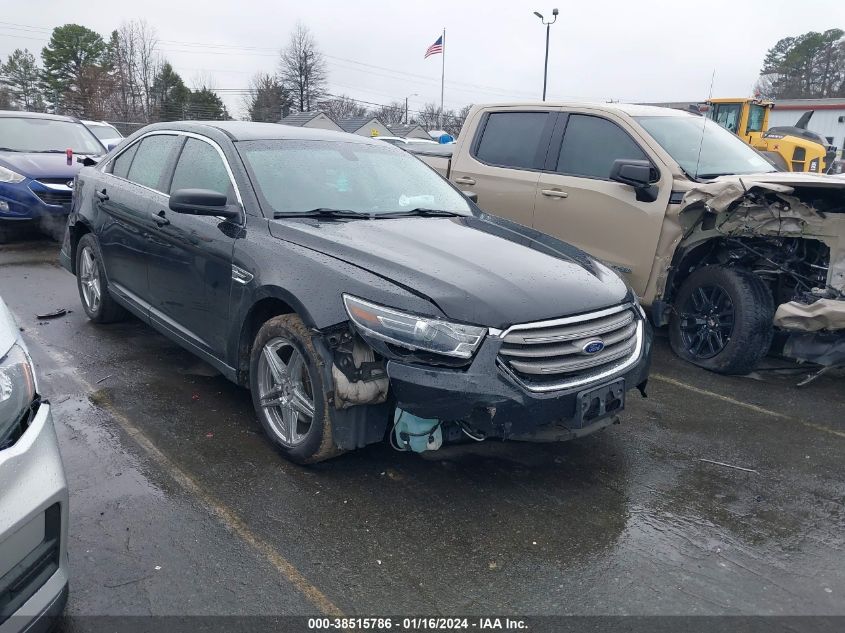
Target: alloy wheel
[
  {"x": 89, "y": 277},
  {"x": 285, "y": 391},
  {"x": 707, "y": 321}
]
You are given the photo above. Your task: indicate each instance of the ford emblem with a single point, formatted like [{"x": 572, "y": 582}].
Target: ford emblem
[{"x": 593, "y": 347}]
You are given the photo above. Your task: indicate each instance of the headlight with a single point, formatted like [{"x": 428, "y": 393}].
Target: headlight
[
  {"x": 17, "y": 388},
  {"x": 413, "y": 332},
  {"x": 7, "y": 175}
]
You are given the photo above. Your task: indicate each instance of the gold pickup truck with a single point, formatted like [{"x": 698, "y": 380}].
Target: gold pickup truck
[{"x": 735, "y": 257}]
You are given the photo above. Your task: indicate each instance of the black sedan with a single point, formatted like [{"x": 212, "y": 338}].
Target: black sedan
[{"x": 355, "y": 292}]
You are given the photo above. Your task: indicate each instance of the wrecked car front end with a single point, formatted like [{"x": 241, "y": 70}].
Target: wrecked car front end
[
  {"x": 544, "y": 382},
  {"x": 789, "y": 231}
]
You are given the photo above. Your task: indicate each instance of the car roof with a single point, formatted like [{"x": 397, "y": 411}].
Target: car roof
[
  {"x": 36, "y": 115},
  {"x": 87, "y": 122},
  {"x": 249, "y": 131},
  {"x": 630, "y": 109}
]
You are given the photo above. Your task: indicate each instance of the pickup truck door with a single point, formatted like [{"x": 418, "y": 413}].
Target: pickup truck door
[
  {"x": 503, "y": 161},
  {"x": 578, "y": 203}
]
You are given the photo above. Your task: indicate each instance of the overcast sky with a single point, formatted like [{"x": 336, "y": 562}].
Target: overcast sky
[{"x": 609, "y": 49}]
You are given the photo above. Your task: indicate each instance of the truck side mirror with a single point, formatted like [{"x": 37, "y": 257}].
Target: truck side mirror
[{"x": 638, "y": 174}]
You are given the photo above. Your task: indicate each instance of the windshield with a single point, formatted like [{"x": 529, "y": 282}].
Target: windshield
[
  {"x": 704, "y": 149},
  {"x": 301, "y": 176},
  {"x": 46, "y": 135},
  {"x": 103, "y": 132}
]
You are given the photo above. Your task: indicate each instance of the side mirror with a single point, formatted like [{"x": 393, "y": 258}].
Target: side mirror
[
  {"x": 471, "y": 195},
  {"x": 201, "y": 202},
  {"x": 637, "y": 174}
]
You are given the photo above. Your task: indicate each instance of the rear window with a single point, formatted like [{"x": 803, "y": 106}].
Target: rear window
[{"x": 513, "y": 139}]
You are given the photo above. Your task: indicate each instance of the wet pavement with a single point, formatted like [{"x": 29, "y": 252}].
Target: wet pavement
[{"x": 180, "y": 506}]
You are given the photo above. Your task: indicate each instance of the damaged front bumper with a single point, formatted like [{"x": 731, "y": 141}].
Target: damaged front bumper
[
  {"x": 817, "y": 331},
  {"x": 490, "y": 401}
]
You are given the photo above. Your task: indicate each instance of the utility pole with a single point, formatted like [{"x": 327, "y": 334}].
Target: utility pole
[
  {"x": 406, "y": 105},
  {"x": 546, "y": 64}
]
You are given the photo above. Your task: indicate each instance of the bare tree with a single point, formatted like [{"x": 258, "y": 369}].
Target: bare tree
[
  {"x": 428, "y": 117},
  {"x": 303, "y": 69},
  {"x": 342, "y": 107},
  {"x": 392, "y": 114},
  {"x": 135, "y": 63},
  {"x": 453, "y": 120},
  {"x": 266, "y": 98}
]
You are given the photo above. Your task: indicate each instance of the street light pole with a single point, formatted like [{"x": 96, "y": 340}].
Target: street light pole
[
  {"x": 546, "y": 63},
  {"x": 406, "y": 106}
]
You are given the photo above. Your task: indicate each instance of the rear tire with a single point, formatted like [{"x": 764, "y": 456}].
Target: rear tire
[
  {"x": 722, "y": 320},
  {"x": 91, "y": 282},
  {"x": 288, "y": 392}
]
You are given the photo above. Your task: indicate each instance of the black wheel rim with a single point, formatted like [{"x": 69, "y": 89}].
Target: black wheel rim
[{"x": 707, "y": 321}]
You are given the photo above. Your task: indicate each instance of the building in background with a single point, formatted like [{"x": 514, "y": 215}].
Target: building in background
[
  {"x": 315, "y": 119},
  {"x": 365, "y": 126},
  {"x": 409, "y": 131}
]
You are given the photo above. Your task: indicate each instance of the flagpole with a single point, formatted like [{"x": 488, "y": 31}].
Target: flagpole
[{"x": 442, "y": 76}]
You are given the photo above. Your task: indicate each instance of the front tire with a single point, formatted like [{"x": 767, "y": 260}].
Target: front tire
[
  {"x": 722, "y": 320},
  {"x": 288, "y": 392},
  {"x": 91, "y": 282}
]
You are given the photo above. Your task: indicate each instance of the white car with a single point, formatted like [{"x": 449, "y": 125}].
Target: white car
[
  {"x": 33, "y": 495},
  {"x": 401, "y": 141},
  {"x": 106, "y": 132}
]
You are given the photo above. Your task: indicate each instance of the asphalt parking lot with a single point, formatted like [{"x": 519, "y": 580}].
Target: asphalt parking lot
[{"x": 180, "y": 506}]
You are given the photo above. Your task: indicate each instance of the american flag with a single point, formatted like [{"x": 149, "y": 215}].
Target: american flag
[{"x": 435, "y": 48}]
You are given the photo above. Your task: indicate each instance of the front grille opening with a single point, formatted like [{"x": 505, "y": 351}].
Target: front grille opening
[
  {"x": 58, "y": 198},
  {"x": 565, "y": 353},
  {"x": 21, "y": 582}
]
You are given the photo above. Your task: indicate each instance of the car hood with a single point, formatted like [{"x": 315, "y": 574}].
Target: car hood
[
  {"x": 481, "y": 270},
  {"x": 35, "y": 165}
]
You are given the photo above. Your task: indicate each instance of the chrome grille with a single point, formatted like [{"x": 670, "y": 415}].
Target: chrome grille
[{"x": 553, "y": 354}]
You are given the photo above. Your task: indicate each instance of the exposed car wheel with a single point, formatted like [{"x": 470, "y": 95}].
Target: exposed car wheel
[
  {"x": 91, "y": 281},
  {"x": 722, "y": 320},
  {"x": 287, "y": 391}
]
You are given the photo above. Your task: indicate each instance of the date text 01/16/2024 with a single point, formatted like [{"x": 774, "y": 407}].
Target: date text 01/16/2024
[{"x": 416, "y": 624}]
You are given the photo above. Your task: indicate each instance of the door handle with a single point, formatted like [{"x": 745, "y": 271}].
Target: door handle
[
  {"x": 554, "y": 193},
  {"x": 464, "y": 180},
  {"x": 102, "y": 195},
  {"x": 160, "y": 218}
]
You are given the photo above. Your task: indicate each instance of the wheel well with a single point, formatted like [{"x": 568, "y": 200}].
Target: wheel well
[
  {"x": 258, "y": 314},
  {"x": 688, "y": 260},
  {"x": 76, "y": 232}
]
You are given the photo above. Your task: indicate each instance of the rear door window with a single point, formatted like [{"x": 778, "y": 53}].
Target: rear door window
[
  {"x": 590, "y": 146},
  {"x": 514, "y": 139},
  {"x": 200, "y": 167},
  {"x": 120, "y": 165},
  {"x": 151, "y": 160}
]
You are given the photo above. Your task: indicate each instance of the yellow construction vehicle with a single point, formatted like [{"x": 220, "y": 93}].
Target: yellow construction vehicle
[{"x": 791, "y": 148}]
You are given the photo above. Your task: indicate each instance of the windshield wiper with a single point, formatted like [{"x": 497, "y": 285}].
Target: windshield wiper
[
  {"x": 433, "y": 213},
  {"x": 322, "y": 213}
]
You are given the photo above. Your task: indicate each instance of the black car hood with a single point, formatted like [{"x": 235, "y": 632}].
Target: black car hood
[{"x": 481, "y": 270}]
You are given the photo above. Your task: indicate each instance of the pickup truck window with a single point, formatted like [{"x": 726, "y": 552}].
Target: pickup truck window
[
  {"x": 591, "y": 144},
  {"x": 303, "y": 176},
  {"x": 512, "y": 139},
  {"x": 703, "y": 148}
]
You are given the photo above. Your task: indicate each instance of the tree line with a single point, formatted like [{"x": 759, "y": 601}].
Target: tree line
[
  {"x": 808, "y": 66},
  {"x": 126, "y": 78}
]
